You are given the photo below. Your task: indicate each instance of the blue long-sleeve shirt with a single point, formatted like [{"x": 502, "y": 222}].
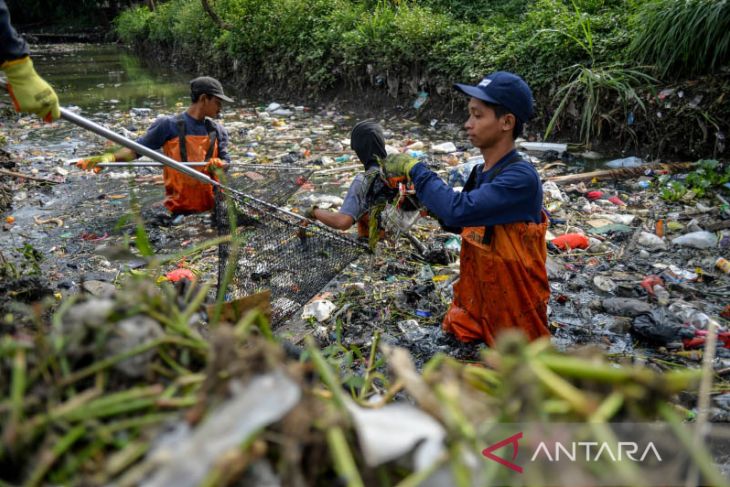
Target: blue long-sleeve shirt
[
  {"x": 515, "y": 195},
  {"x": 12, "y": 46},
  {"x": 165, "y": 128}
]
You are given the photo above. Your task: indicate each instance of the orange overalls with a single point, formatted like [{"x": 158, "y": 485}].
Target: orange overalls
[
  {"x": 183, "y": 194},
  {"x": 503, "y": 282}
]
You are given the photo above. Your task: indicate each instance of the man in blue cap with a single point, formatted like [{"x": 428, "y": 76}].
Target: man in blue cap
[{"x": 503, "y": 282}]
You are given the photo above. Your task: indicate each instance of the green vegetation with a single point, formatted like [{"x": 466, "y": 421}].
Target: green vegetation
[
  {"x": 683, "y": 38},
  {"x": 595, "y": 85},
  {"x": 709, "y": 174},
  {"x": 580, "y": 54},
  {"x": 27, "y": 265}
]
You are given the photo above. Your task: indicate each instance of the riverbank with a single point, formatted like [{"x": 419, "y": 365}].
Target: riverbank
[{"x": 615, "y": 86}]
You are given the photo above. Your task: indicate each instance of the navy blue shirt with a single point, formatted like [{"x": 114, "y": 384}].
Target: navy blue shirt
[
  {"x": 515, "y": 195},
  {"x": 165, "y": 128},
  {"x": 12, "y": 46}
]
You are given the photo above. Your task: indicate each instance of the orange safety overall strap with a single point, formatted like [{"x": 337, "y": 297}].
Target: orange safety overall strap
[{"x": 182, "y": 133}]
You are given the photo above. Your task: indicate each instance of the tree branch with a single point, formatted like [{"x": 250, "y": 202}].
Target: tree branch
[{"x": 218, "y": 21}]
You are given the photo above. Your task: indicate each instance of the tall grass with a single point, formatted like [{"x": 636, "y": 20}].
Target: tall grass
[
  {"x": 594, "y": 89},
  {"x": 595, "y": 86},
  {"x": 683, "y": 37}
]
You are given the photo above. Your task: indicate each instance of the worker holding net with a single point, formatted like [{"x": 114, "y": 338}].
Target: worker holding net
[
  {"x": 191, "y": 136},
  {"x": 369, "y": 193}
]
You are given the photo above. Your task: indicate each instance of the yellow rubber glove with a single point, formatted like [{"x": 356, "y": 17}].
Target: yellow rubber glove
[
  {"x": 90, "y": 163},
  {"x": 215, "y": 163},
  {"x": 398, "y": 166},
  {"x": 29, "y": 92}
]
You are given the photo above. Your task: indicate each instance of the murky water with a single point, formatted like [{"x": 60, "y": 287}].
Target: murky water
[{"x": 102, "y": 77}]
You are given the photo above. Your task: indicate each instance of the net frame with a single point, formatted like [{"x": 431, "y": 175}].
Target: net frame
[{"x": 276, "y": 250}]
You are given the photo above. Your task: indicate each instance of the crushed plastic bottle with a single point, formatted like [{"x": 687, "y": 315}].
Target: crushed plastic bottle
[
  {"x": 420, "y": 100},
  {"x": 661, "y": 294},
  {"x": 651, "y": 241},
  {"x": 688, "y": 314},
  {"x": 426, "y": 273},
  {"x": 445, "y": 148},
  {"x": 632, "y": 161},
  {"x": 697, "y": 240}
]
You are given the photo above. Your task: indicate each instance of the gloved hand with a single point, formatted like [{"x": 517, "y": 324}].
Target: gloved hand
[
  {"x": 215, "y": 163},
  {"x": 29, "y": 92},
  {"x": 398, "y": 165},
  {"x": 90, "y": 163},
  {"x": 310, "y": 212}
]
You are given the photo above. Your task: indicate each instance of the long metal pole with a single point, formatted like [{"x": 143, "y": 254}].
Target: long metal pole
[
  {"x": 146, "y": 164},
  {"x": 172, "y": 163},
  {"x": 87, "y": 124}
]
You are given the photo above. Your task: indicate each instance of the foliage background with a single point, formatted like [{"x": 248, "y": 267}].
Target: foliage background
[{"x": 398, "y": 48}]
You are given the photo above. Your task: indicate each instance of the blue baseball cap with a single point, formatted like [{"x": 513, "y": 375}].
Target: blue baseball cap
[{"x": 505, "y": 89}]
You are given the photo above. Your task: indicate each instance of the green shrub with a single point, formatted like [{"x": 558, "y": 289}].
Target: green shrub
[
  {"x": 133, "y": 25},
  {"x": 475, "y": 10},
  {"x": 683, "y": 38}
]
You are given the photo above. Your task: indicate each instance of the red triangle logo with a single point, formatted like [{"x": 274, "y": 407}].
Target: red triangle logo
[{"x": 487, "y": 452}]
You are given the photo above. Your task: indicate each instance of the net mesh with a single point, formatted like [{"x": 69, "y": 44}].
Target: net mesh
[{"x": 275, "y": 251}]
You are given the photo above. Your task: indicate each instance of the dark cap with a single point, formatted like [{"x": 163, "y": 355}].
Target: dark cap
[
  {"x": 205, "y": 85},
  {"x": 505, "y": 89}
]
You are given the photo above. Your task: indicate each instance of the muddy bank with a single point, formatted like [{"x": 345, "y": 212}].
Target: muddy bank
[{"x": 680, "y": 121}]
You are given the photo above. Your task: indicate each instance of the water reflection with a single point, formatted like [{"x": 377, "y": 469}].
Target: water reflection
[{"x": 104, "y": 77}]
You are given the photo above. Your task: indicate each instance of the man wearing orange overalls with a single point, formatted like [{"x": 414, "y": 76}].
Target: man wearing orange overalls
[
  {"x": 503, "y": 282},
  {"x": 191, "y": 136}
]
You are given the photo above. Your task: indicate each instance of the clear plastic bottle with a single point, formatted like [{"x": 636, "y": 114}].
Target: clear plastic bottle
[{"x": 662, "y": 295}]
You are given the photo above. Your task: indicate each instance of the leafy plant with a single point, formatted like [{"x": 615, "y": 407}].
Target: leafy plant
[
  {"x": 708, "y": 175},
  {"x": 673, "y": 191},
  {"x": 28, "y": 265},
  {"x": 595, "y": 86},
  {"x": 683, "y": 38}
]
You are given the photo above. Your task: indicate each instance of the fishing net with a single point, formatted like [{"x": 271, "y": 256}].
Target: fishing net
[{"x": 275, "y": 251}]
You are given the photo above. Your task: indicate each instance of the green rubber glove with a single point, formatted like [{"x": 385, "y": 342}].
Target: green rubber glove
[
  {"x": 89, "y": 164},
  {"x": 398, "y": 166},
  {"x": 29, "y": 92}
]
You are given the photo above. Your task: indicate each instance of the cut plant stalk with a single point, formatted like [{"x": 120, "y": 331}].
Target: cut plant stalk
[{"x": 342, "y": 456}]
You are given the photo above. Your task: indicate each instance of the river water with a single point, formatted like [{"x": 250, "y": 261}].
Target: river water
[{"x": 98, "y": 77}]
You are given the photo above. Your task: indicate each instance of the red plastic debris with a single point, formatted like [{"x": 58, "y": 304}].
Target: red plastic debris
[
  {"x": 616, "y": 201},
  {"x": 725, "y": 313},
  {"x": 178, "y": 274},
  {"x": 571, "y": 241},
  {"x": 594, "y": 195},
  {"x": 650, "y": 281},
  {"x": 92, "y": 237},
  {"x": 701, "y": 336}
]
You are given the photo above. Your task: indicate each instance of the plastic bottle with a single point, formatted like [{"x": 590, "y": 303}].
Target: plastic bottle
[
  {"x": 425, "y": 273},
  {"x": 697, "y": 240},
  {"x": 723, "y": 265},
  {"x": 662, "y": 295}
]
